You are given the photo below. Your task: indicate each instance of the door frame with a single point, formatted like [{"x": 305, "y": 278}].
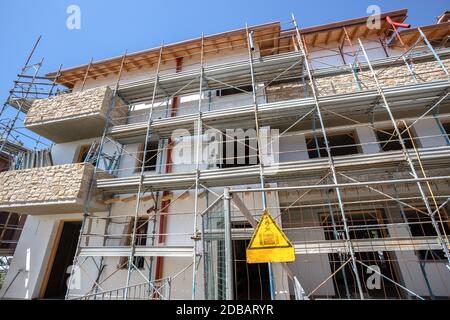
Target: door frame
[{"x": 52, "y": 256}]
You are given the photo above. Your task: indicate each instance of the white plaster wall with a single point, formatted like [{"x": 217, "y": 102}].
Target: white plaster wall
[
  {"x": 167, "y": 67},
  {"x": 64, "y": 153},
  {"x": 368, "y": 140},
  {"x": 412, "y": 275},
  {"x": 26, "y": 273},
  {"x": 311, "y": 269},
  {"x": 327, "y": 56},
  {"x": 293, "y": 147},
  {"x": 429, "y": 133},
  {"x": 29, "y": 258}
]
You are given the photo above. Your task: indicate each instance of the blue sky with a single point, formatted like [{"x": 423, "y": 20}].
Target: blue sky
[{"x": 109, "y": 27}]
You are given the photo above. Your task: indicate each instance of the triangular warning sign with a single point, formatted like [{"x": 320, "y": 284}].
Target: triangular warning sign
[{"x": 269, "y": 243}]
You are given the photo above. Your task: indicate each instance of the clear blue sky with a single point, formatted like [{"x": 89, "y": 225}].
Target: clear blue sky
[{"x": 108, "y": 27}]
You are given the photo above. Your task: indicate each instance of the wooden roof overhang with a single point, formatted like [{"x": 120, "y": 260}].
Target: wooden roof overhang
[
  {"x": 265, "y": 35},
  {"x": 435, "y": 33},
  {"x": 334, "y": 32}
]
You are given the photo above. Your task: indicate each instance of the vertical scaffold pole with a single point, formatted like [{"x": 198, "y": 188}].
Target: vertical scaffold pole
[
  {"x": 406, "y": 154},
  {"x": 86, "y": 74},
  {"x": 97, "y": 163},
  {"x": 24, "y": 95},
  {"x": 199, "y": 140},
  {"x": 250, "y": 44},
  {"x": 330, "y": 161},
  {"x": 436, "y": 56},
  {"x": 141, "y": 177},
  {"x": 228, "y": 246}
]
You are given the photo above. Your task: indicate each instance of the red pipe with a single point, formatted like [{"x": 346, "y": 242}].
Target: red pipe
[
  {"x": 397, "y": 24},
  {"x": 166, "y": 203}
]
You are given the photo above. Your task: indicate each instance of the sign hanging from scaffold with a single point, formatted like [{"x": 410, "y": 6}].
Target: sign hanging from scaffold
[{"x": 269, "y": 243}]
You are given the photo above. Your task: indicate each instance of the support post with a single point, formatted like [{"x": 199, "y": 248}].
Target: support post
[
  {"x": 331, "y": 162},
  {"x": 86, "y": 74},
  {"x": 199, "y": 129},
  {"x": 436, "y": 56},
  {"x": 141, "y": 179},
  {"x": 228, "y": 246},
  {"x": 250, "y": 44},
  {"x": 91, "y": 185}
]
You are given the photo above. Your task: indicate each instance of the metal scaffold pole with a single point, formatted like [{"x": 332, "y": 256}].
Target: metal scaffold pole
[
  {"x": 330, "y": 160},
  {"x": 408, "y": 159},
  {"x": 97, "y": 163},
  {"x": 250, "y": 47},
  {"x": 198, "y": 152},
  {"x": 228, "y": 246},
  {"x": 131, "y": 265},
  {"x": 23, "y": 95}
]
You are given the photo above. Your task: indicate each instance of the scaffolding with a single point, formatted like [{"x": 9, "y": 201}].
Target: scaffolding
[
  {"x": 354, "y": 195},
  {"x": 19, "y": 147},
  {"x": 293, "y": 65}
]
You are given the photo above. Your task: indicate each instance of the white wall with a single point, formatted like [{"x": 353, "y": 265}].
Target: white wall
[
  {"x": 429, "y": 133},
  {"x": 311, "y": 269},
  {"x": 293, "y": 147},
  {"x": 413, "y": 277},
  {"x": 327, "y": 56},
  {"x": 26, "y": 273},
  {"x": 368, "y": 140}
]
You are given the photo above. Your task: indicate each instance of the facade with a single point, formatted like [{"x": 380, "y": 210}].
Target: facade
[{"x": 340, "y": 131}]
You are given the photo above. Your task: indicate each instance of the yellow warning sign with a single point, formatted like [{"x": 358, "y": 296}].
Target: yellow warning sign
[{"x": 269, "y": 243}]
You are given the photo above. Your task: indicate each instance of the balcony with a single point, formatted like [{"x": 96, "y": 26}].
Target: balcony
[
  {"x": 74, "y": 116},
  {"x": 49, "y": 190}
]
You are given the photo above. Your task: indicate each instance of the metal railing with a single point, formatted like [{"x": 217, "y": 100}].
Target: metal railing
[{"x": 153, "y": 290}]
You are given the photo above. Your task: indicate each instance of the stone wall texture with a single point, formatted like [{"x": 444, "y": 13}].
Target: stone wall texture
[
  {"x": 396, "y": 75},
  {"x": 69, "y": 182},
  {"x": 85, "y": 103}
]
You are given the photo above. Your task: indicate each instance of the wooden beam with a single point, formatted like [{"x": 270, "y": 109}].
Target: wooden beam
[
  {"x": 327, "y": 37},
  {"x": 313, "y": 42}
]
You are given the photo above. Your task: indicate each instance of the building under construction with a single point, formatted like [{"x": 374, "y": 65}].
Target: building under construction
[{"x": 144, "y": 176}]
